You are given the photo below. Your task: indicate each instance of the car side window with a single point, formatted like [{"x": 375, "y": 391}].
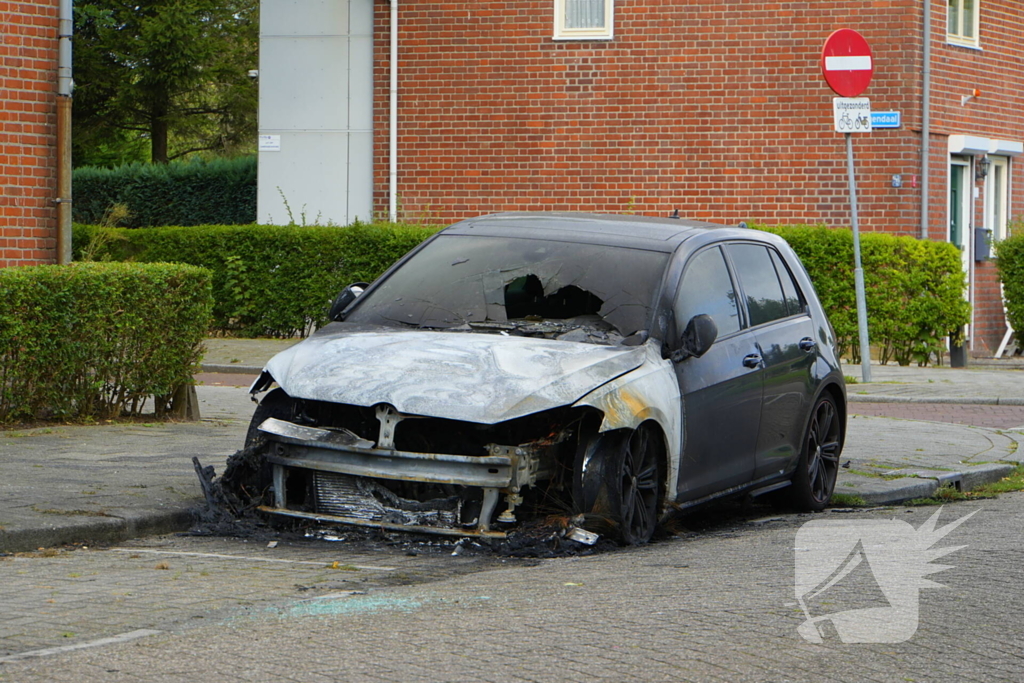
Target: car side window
[
  {"x": 794, "y": 302},
  {"x": 707, "y": 288},
  {"x": 760, "y": 283}
]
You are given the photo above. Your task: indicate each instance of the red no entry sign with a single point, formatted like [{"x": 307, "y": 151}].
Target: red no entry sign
[{"x": 846, "y": 62}]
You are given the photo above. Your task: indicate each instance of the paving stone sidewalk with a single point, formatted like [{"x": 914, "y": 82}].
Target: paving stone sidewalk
[{"x": 65, "y": 484}]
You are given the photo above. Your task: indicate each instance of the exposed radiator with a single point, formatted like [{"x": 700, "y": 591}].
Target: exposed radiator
[{"x": 361, "y": 498}]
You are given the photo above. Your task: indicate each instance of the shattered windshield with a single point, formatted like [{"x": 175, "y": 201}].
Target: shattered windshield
[{"x": 528, "y": 286}]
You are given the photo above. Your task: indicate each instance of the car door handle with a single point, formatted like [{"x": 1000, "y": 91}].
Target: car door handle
[
  {"x": 752, "y": 361},
  {"x": 807, "y": 344}
]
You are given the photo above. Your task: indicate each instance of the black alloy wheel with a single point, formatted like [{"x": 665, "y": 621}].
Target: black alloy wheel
[
  {"x": 639, "y": 486},
  {"x": 815, "y": 477},
  {"x": 618, "y": 483}
]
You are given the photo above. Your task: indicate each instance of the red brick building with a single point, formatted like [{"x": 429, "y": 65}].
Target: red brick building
[
  {"x": 716, "y": 108},
  {"x": 28, "y": 132}
]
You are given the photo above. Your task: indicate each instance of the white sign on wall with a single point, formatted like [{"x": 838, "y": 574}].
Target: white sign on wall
[
  {"x": 852, "y": 114},
  {"x": 270, "y": 143}
]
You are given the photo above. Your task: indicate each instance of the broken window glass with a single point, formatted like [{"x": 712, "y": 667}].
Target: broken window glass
[{"x": 458, "y": 280}]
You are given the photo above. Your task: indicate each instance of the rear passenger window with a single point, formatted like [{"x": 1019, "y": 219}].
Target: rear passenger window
[
  {"x": 707, "y": 288},
  {"x": 760, "y": 284},
  {"x": 794, "y": 304}
]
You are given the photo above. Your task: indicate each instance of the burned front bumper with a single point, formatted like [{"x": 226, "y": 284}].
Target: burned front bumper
[{"x": 350, "y": 480}]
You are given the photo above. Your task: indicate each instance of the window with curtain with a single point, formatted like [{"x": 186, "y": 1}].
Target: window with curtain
[
  {"x": 583, "y": 19},
  {"x": 962, "y": 22}
]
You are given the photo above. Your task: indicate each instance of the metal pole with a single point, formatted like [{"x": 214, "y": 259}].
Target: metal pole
[
  {"x": 858, "y": 272},
  {"x": 64, "y": 86},
  {"x": 393, "y": 120},
  {"x": 926, "y": 105}
]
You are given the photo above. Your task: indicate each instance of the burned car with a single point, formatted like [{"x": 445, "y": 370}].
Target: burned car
[{"x": 525, "y": 364}]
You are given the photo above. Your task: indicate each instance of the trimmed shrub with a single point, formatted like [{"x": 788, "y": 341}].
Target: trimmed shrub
[
  {"x": 279, "y": 281},
  {"x": 1010, "y": 259},
  {"x": 914, "y": 289},
  {"x": 98, "y": 339},
  {"x": 275, "y": 281},
  {"x": 221, "y": 191}
]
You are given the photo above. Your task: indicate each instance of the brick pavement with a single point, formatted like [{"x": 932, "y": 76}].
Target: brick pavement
[
  {"x": 61, "y": 597},
  {"x": 714, "y": 605},
  {"x": 995, "y": 417}
]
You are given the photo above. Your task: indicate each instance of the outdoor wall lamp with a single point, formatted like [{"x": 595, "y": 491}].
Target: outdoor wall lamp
[{"x": 981, "y": 168}]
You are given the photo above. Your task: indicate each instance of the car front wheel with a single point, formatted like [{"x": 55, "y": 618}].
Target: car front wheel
[{"x": 618, "y": 483}]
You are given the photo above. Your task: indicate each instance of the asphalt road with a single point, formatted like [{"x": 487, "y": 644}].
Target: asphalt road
[{"x": 715, "y": 603}]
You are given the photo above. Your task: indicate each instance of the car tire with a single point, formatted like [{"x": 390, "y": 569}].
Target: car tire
[
  {"x": 276, "y": 404},
  {"x": 815, "y": 476},
  {"x": 248, "y": 476},
  {"x": 618, "y": 481}
]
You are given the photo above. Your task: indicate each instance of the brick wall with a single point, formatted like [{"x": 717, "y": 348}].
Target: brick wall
[
  {"x": 715, "y": 108},
  {"x": 998, "y": 112},
  {"x": 28, "y": 129},
  {"x": 721, "y": 112}
]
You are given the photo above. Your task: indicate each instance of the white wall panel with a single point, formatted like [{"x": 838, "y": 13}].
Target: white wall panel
[
  {"x": 304, "y": 83},
  {"x": 309, "y": 173},
  {"x": 305, "y": 17},
  {"x": 316, "y": 95}
]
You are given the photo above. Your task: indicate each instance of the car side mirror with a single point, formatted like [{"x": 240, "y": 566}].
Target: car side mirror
[
  {"x": 700, "y": 333},
  {"x": 347, "y": 296}
]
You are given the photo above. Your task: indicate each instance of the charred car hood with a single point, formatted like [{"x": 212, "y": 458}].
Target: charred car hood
[{"x": 483, "y": 378}]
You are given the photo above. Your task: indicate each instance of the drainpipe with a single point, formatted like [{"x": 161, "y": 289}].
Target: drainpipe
[
  {"x": 926, "y": 99},
  {"x": 64, "y": 86},
  {"x": 393, "y": 123}
]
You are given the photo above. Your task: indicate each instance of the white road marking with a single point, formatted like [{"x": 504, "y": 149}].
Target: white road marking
[
  {"x": 50, "y": 651},
  {"x": 219, "y": 556},
  {"x": 848, "y": 63}
]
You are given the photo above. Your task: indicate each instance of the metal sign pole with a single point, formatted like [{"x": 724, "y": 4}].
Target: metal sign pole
[{"x": 858, "y": 272}]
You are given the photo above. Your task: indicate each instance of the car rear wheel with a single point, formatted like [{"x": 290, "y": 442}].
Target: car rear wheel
[
  {"x": 816, "y": 472},
  {"x": 618, "y": 483}
]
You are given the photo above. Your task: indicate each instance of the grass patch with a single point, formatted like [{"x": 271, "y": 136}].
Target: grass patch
[
  {"x": 948, "y": 494},
  {"x": 850, "y": 379},
  {"x": 847, "y": 500},
  {"x": 879, "y": 475}
]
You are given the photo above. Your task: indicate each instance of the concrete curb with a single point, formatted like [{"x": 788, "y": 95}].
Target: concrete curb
[
  {"x": 97, "y": 529},
  {"x": 230, "y": 369},
  {"x": 924, "y": 483}
]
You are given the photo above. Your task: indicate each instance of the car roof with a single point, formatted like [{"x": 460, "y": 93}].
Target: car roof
[{"x": 638, "y": 232}]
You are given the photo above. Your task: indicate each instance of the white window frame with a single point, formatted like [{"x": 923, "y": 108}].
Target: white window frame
[
  {"x": 605, "y": 32},
  {"x": 997, "y": 190},
  {"x": 956, "y": 34}
]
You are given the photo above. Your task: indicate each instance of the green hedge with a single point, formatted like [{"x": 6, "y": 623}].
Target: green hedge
[
  {"x": 279, "y": 281},
  {"x": 276, "y": 281},
  {"x": 97, "y": 339},
  {"x": 914, "y": 289},
  {"x": 1010, "y": 259},
  {"x": 221, "y": 191}
]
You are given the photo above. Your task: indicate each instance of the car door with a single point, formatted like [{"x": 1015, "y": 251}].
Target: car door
[
  {"x": 721, "y": 390},
  {"x": 784, "y": 333}
]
